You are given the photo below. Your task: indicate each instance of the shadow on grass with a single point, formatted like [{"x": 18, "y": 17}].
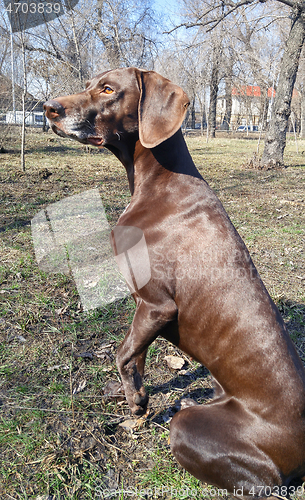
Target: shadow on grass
[
  {"x": 180, "y": 381},
  {"x": 293, "y": 314},
  {"x": 199, "y": 395},
  {"x": 66, "y": 149},
  {"x": 15, "y": 224}
]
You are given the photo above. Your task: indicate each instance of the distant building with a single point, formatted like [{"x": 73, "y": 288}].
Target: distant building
[
  {"x": 32, "y": 118},
  {"x": 250, "y": 106},
  {"x": 34, "y": 109}
]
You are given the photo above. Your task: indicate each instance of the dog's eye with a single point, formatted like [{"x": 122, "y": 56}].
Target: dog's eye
[{"x": 107, "y": 90}]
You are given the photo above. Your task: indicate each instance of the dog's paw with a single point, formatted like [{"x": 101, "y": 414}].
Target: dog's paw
[
  {"x": 140, "y": 403},
  {"x": 140, "y": 399}
]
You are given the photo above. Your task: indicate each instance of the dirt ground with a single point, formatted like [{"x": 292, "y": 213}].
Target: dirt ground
[{"x": 60, "y": 436}]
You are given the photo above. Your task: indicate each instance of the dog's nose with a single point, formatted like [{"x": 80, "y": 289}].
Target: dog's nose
[{"x": 53, "y": 109}]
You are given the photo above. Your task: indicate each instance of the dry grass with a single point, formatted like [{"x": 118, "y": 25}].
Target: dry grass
[{"x": 57, "y": 445}]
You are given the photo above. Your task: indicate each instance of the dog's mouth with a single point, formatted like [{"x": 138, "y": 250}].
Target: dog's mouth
[
  {"x": 57, "y": 130},
  {"x": 77, "y": 136},
  {"x": 95, "y": 141}
]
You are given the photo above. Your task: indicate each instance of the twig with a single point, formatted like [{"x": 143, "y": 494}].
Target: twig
[
  {"x": 295, "y": 135},
  {"x": 106, "y": 442},
  {"x": 158, "y": 425},
  {"x": 71, "y": 388},
  {"x": 35, "y": 461},
  {"x": 38, "y": 409}
]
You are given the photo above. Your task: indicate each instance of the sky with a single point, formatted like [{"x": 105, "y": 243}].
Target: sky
[{"x": 168, "y": 8}]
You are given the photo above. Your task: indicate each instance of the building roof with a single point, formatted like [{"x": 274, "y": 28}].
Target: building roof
[{"x": 255, "y": 91}]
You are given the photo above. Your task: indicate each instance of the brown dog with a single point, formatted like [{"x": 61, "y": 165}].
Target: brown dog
[{"x": 205, "y": 295}]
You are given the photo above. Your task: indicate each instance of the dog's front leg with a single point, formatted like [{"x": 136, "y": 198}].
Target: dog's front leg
[{"x": 149, "y": 322}]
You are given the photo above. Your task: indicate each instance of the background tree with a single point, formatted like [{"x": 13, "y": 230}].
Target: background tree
[
  {"x": 93, "y": 36},
  {"x": 275, "y": 140},
  {"x": 186, "y": 62},
  {"x": 300, "y": 85},
  {"x": 227, "y": 48},
  {"x": 216, "y": 60},
  {"x": 62, "y": 54},
  {"x": 126, "y": 29},
  {"x": 211, "y": 14}
]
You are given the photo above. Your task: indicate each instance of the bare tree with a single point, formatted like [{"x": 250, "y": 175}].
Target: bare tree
[
  {"x": 62, "y": 44},
  {"x": 214, "y": 84},
  {"x": 63, "y": 53},
  {"x": 300, "y": 84},
  {"x": 126, "y": 30},
  {"x": 211, "y": 14},
  {"x": 275, "y": 140},
  {"x": 93, "y": 36},
  {"x": 190, "y": 68},
  {"x": 228, "y": 94},
  {"x": 24, "y": 93}
]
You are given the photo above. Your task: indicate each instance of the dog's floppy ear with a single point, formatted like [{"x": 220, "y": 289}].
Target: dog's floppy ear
[{"x": 162, "y": 108}]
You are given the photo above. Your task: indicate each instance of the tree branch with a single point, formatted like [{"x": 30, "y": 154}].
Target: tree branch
[
  {"x": 231, "y": 8},
  {"x": 289, "y": 3},
  {"x": 217, "y": 20}
]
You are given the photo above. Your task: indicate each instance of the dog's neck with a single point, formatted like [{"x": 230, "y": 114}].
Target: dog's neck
[
  {"x": 171, "y": 156},
  {"x": 174, "y": 155},
  {"x": 125, "y": 153}
]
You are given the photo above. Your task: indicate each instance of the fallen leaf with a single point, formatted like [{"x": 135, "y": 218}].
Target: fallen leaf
[
  {"x": 128, "y": 425},
  {"x": 85, "y": 355},
  {"x": 62, "y": 310},
  {"x": 58, "y": 367},
  {"x": 79, "y": 386},
  {"x": 20, "y": 338},
  {"x": 114, "y": 391},
  {"x": 174, "y": 362}
]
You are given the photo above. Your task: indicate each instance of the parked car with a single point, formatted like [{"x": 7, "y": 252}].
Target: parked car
[
  {"x": 243, "y": 128},
  {"x": 197, "y": 127}
]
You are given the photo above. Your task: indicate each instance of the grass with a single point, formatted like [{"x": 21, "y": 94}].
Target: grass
[{"x": 56, "y": 444}]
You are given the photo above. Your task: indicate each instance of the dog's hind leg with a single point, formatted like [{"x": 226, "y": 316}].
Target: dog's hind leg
[{"x": 217, "y": 443}]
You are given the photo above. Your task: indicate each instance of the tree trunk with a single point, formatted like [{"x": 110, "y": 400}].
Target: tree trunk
[
  {"x": 24, "y": 92},
  {"x": 193, "y": 114},
  {"x": 263, "y": 115},
  {"x": 228, "y": 113},
  {"x": 79, "y": 64},
  {"x": 110, "y": 41},
  {"x": 22, "y": 152},
  {"x": 45, "y": 126},
  {"x": 275, "y": 140},
  {"x": 303, "y": 114},
  {"x": 214, "y": 91}
]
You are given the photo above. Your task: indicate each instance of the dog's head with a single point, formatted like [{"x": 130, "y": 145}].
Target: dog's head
[{"x": 118, "y": 103}]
